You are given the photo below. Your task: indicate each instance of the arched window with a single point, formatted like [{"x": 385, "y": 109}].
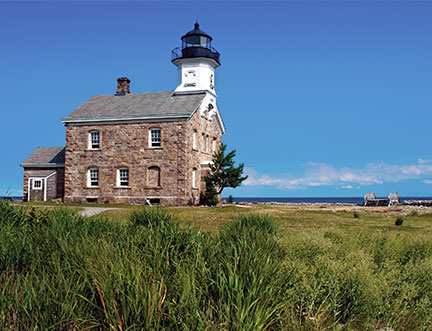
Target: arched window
[{"x": 153, "y": 176}]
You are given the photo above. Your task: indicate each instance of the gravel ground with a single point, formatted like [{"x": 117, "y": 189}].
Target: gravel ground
[{"x": 90, "y": 211}]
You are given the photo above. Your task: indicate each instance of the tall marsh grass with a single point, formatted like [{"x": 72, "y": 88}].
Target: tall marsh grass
[{"x": 62, "y": 271}]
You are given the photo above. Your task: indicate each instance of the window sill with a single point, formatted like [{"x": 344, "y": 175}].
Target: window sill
[
  {"x": 125, "y": 187},
  {"x": 195, "y": 188},
  {"x": 92, "y": 186},
  {"x": 154, "y": 148},
  {"x": 93, "y": 149}
]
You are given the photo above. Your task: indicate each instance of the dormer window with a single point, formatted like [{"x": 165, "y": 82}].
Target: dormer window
[
  {"x": 155, "y": 138},
  {"x": 94, "y": 140}
]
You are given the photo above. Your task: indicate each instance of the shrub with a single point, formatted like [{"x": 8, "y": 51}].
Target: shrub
[
  {"x": 356, "y": 215},
  {"x": 210, "y": 194},
  {"x": 230, "y": 199},
  {"x": 399, "y": 221}
]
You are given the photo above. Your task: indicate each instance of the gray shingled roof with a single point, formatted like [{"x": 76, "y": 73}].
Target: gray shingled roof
[
  {"x": 46, "y": 156},
  {"x": 42, "y": 173},
  {"x": 139, "y": 105}
]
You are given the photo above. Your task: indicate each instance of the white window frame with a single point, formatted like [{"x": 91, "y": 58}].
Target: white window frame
[
  {"x": 38, "y": 181},
  {"x": 194, "y": 185},
  {"x": 94, "y": 145},
  {"x": 194, "y": 140},
  {"x": 122, "y": 180},
  {"x": 204, "y": 147},
  {"x": 214, "y": 146},
  {"x": 90, "y": 182},
  {"x": 153, "y": 140}
]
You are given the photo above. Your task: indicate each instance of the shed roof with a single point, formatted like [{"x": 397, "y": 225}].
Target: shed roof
[
  {"x": 151, "y": 106},
  {"x": 42, "y": 173},
  {"x": 45, "y": 157}
]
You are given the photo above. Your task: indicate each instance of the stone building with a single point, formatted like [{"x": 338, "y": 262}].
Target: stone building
[{"x": 140, "y": 147}]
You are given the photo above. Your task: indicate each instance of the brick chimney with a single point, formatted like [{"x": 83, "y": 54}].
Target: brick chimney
[{"x": 123, "y": 86}]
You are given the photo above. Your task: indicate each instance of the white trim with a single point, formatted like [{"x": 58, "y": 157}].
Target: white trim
[
  {"x": 51, "y": 175},
  {"x": 206, "y": 163},
  {"x": 28, "y": 192},
  {"x": 45, "y": 189},
  {"x": 96, "y": 121}
]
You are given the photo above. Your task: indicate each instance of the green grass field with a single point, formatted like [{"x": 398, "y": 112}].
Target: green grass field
[{"x": 259, "y": 267}]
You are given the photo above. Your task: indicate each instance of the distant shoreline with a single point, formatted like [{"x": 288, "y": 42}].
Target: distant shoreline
[
  {"x": 291, "y": 200},
  {"x": 315, "y": 200}
]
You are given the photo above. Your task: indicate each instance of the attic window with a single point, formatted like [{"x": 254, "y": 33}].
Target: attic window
[
  {"x": 155, "y": 137},
  {"x": 94, "y": 140}
]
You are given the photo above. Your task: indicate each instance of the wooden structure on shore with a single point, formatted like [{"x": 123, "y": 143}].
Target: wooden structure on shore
[{"x": 370, "y": 200}]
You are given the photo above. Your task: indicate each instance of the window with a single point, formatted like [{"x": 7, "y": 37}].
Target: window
[
  {"x": 153, "y": 177},
  {"x": 155, "y": 137},
  {"x": 214, "y": 145},
  {"x": 123, "y": 177},
  {"x": 93, "y": 177},
  {"x": 37, "y": 184},
  {"x": 94, "y": 140},
  {"x": 194, "y": 140},
  {"x": 204, "y": 146},
  {"x": 194, "y": 178}
]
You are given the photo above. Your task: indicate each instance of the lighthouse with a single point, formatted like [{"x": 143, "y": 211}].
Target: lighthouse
[{"x": 196, "y": 61}]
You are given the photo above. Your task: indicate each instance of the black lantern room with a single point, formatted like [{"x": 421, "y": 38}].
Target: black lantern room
[{"x": 196, "y": 43}]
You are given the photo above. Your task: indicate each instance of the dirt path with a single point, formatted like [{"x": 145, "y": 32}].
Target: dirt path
[{"x": 90, "y": 211}]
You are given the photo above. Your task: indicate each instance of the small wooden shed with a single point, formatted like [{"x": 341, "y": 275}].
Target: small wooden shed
[{"x": 44, "y": 174}]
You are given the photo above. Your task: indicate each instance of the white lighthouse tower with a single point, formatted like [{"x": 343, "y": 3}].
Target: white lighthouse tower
[{"x": 196, "y": 61}]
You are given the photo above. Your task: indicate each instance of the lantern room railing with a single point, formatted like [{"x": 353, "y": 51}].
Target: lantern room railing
[{"x": 190, "y": 52}]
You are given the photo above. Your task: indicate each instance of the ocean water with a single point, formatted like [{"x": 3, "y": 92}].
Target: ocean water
[{"x": 344, "y": 200}]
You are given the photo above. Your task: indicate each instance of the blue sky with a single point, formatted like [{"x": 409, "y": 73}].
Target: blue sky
[{"x": 319, "y": 98}]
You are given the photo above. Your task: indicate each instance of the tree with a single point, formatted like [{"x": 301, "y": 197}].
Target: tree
[{"x": 223, "y": 173}]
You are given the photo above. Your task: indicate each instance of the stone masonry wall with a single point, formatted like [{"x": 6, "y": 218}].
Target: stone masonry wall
[
  {"x": 127, "y": 145},
  {"x": 201, "y": 125}
]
